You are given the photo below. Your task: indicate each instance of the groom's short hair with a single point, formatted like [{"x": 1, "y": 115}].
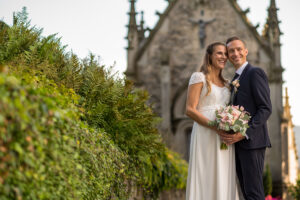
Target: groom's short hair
[{"x": 235, "y": 38}]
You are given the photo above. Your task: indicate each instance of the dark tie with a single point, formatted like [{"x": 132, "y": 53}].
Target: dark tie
[{"x": 235, "y": 76}]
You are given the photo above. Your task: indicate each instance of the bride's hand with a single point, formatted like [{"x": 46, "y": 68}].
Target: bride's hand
[
  {"x": 232, "y": 138},
  {"x": 222, "y": 133},
  {"x": 225, "y": 137}
]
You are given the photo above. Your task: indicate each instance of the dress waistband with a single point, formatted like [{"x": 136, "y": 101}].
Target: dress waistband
[{"x": 212, "y": 107}]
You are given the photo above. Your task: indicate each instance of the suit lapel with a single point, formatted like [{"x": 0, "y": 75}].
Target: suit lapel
[{"x": 244, "y": 72}]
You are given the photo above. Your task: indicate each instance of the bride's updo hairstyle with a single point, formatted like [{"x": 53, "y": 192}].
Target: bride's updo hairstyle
[{"x": 207, "y": 65}]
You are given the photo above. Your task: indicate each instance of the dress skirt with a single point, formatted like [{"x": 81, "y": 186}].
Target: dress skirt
[{"x": 212, "y": 173}]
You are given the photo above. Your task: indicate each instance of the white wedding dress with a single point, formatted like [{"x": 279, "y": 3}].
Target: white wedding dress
[{"x": 212, "y": 174}]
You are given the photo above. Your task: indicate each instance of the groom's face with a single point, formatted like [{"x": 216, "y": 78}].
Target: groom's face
[{"x": 237, "y": 53}]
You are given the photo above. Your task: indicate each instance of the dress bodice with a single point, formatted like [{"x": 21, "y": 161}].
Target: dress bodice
[{"x": 219, "y": 96}]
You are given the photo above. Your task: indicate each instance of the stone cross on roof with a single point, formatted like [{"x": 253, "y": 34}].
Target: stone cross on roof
[{"x": 201, "y": 32}]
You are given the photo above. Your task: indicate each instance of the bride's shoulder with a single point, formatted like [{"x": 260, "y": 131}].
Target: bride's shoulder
[
  {"x": 198, "y": 74},
  {"x": 197, "y": 77}
]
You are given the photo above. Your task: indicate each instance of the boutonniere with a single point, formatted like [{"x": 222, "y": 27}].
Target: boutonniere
[{"x": 236, "y": 84}]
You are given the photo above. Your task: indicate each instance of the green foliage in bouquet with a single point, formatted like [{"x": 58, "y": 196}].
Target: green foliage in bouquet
[
  {"x": 231, "y": 118},
  {"x": 267, "y": 181},
  {"x": 103, "y": 133}
]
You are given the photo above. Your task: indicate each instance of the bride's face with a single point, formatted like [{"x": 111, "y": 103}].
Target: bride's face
[{"x": 219, "y": 57}]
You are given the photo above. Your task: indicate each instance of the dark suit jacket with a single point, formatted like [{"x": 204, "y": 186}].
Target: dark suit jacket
[{"x": 254, "y": 95}]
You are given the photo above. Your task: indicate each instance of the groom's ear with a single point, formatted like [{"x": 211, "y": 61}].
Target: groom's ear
[{"x": 246, "y": 51}]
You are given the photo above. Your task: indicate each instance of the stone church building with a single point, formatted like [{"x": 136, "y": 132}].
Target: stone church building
[{"x": 161, "y": 60}]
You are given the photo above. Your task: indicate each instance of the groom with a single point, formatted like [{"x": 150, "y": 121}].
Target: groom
[{"x": 253, "y": 93}]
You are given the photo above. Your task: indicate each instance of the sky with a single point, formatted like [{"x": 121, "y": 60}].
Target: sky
[{"x": 99, "y": 26}]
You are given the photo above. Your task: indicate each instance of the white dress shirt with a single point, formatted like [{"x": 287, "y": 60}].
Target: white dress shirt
[{"x": 240, "y": 70}]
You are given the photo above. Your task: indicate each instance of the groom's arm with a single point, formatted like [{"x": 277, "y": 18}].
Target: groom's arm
[{"x": 261, "y": 97}]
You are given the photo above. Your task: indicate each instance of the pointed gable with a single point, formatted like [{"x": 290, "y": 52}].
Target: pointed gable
[
  {"x": 162, "y": 18},
  {"x": 242, "y": 14}
]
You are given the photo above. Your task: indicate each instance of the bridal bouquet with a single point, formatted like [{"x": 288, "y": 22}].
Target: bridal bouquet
[{"x": 231, "y": 119}]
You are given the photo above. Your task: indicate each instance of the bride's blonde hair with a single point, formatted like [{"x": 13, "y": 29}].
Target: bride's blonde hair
[{"x": 207, "y": 65}]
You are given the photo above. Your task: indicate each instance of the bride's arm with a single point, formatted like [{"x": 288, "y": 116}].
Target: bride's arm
[
  {"x": 193, "y": 96},
  {"x": 192, "y": 101}
]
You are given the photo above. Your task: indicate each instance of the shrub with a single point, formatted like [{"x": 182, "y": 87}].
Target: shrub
[
  {"x": 91, "y": 100},
  {"x": 267, "y": 180},
  {"x": 47, "y": 152},
  {"x": 121, "y": 110},
  {"x": 294, "y": 190}
]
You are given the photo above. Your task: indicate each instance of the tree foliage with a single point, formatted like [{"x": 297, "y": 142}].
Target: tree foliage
[
  {"x": 47, "y": 152},
  {"x": 78, "y": 129}
]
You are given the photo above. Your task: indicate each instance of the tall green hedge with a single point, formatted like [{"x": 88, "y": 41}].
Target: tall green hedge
[
  {"x": 47, "y": 152},
  {"x": 79, "y": 131}
]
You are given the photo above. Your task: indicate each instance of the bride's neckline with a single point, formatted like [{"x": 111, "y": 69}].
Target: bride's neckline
[{"x": 217, "y": 85}]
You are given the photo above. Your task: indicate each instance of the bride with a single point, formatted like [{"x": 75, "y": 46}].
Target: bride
[{"x": 212, "y": 174}]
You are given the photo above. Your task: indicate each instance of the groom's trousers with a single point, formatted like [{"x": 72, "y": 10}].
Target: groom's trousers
[{"x": 249, "y": 167}]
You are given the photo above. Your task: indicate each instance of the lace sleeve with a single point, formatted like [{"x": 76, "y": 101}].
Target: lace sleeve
[{"x": 197, "y": 77}]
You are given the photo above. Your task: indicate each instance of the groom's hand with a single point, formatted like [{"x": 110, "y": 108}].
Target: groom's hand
[
  {"x": 222, "y": 133},
  {"x": 232, "y": 138}
]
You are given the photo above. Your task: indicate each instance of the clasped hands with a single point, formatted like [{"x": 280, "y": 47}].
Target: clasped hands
[{"x": 230, "y": 138}]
